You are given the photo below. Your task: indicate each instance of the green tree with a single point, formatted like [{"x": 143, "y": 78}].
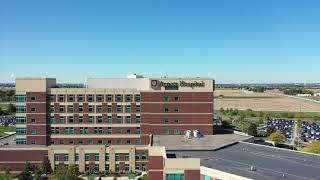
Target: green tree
[
  {"x": 260, "y": 120},
  {"x": 222, "y": 110},
  {"x": 7, "y": 175},
  {"x": 277, "y": 138},
  {"x": 63, "y": 173},
  {"x": 46, "y": 166},
  {"x": 26, "y": 173},
  {"x": 11, "y": 108},
  {"x": 252, "y": 129},
  {"x": 312, "y": 147},
  {"x": 270, "y": 130},
  {"x": 37, "y": 174}
]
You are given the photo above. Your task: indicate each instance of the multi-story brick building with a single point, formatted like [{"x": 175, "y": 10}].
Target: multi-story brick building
[{"x": 108, "y": 126}]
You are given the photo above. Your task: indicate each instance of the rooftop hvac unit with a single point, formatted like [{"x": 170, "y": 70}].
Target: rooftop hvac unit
[
  {"x": 188, "y": 134},
  {"x": 196, "y": 133}
]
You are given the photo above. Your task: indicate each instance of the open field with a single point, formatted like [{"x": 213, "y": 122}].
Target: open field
[{"x": 261, "y": 102}]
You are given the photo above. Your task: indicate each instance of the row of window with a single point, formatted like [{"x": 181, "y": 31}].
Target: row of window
[
  {"x": 99, "y": 119},
  {"x": 138, "y": 156},
  {"x": 97, "y": 109},
  {"x": 96, "y": 130},
  {"x": 97, "y": 98},
  {"x": 21, "y": 98},
  {"x": 91, "y": 142}
]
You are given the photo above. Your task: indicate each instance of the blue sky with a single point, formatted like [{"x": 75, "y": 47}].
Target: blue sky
[{"x": 234, "y": 41}]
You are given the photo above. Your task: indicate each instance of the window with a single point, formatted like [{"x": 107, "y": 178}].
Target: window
[
  {"x": 126, "y": 168},
  {"x": 67, "y": 130},
  {"x": 66, "y": 157},
  {"x": 33, "y": 131},
  {"x": 109, "y": 98},
  {"x": 167, "y": 98},
  {"x": 119, "y": 130},
  {"x": 119, "y": 98},
  {"x": 128, "y": 141},
  {"x": 128, "y": 131},
  {"x": 21, "y": 131},
  {"x": 128, "y": 98},
  {"x": 90, "y": 108},
  {"x": 80, "y": 119},
  {"x": 81, "y": 130},
  {"x": 61, "y": 108},
  {"x": 61, "y": 119},
  {"x": 71, "y": 98},
  {"x": 109, "y": 141},
  {"x": 206, "y": 177},
  {"x": 107, "y": 168},
  {"x": 137, "y": 156},
  {"x": 33, "y": 141},
  {"x": 33, "y": 109},
  {"x": 100, "y": 120},
  {"x": 51, "y": 141},
  {"x": 20, "y": 141},
  {"x": 96, "y": 157},
  {"x": 80, "y": 98},
  {"x": 138, "y": 108},
  {"x": 138, "y": 98},
  {"x": 71, "y": 119},
  {"x": 61, "y": 141},
  {"x": 176, "y": 132},
  {"x": 100, "y": 109},
  {"x": 86, "y": 130},
  {"x": 72, "y": 130},
  {"x": 51, "y": 108},
  {"x": 138, "y": 130},
  {"x": 99, "y": 141},
  {"x": 33, "y": 98},
  {"x": 80, "y": 141},
  {"x": 138, "y": 119},
  {"x": 117, "y": 157},
  {"x": 87, "y": 156},
  {"x": 110, "y": 119},
  {"x": 143, "y": 156},
  {"x": 119, "y": 141},
  {"x": 21, "y": 120},
  {"x": 70, "y": 141},
  {"x": 128, "y": 108},
  {"x": 91, "y": 141},
  {"x": 80, "y": 108},
  {"x": 90, "y": 119},
  {"x": 90, "y": 98},
  {"x": 119, "y": 108},
  {"x": 117, "y": 169},
  {"x": 119, "y": 119},
  {"x": 176, "y": 98},
  {"x": 76, "y": 157},
  {"x": 176, "y": 121},
  {"x": 166, "y": 109},
  {"x": 107, "y": 156},
  {"x": 138, "y": 141},
  {"x": 57, "y": 157},
  {"x": 167, "y": 132},
  {"x": 52, "y": 98},
  {"x": 33, "y": 120},
  {"x": 21, "y": 109},
  {"x": 176, "y": 109},
  {"x": 61, "y": 98},
  {"x": 174, "y": 176},
  {"x": 20, "y": 98},
  {"x": 166, "y": 121},
  {"x": 128, "y": 119},
  {"x": 70, "y": 109},
  {"x": 109, "y": 130},
  {"x": 99, "y": 98}
]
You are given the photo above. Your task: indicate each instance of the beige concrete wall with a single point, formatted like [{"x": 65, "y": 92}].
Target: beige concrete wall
[{"x": 34, "y": 84}]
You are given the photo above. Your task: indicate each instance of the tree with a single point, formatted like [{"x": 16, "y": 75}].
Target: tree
[
  {"x": 11, "y": 108},
  {"x": 270, "y": 130},
  {"x": 26, "y": 173},
  {"x": 38, "y": 173},
  {"x": 299, "y": 126},
  {"x": 46, "y": 166},
  {"x": 252, "y": 129},
  {"x": 277, "y": 138},
  {"x": 63, "y": 173},
  {"x": 312, "y": 147},
  {"x": 7, "y": 175},
  {"x": 260, "y": 120}
]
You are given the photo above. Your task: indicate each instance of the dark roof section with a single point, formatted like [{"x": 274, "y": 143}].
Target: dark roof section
[{"x": 269, "y": 163}]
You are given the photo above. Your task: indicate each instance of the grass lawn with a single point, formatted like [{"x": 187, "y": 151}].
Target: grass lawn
[{"x": 6, "y": 129}]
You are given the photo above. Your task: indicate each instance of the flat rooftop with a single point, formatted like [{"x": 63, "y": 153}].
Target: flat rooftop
[
  {"x": 269, "y": 163},
  {"x": 207, "y": 142}
]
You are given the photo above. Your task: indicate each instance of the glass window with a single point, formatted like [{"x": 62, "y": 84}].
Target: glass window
[
  {"x": 33, "y": 141},
  {"x": 70, "y": 141},
  {"x": 119, "y": 130},
  {"x": 166, "y": 121},
  {"x": 20, "y": 98},
  {"x": 138, "y": 141},
  {"x": 138, "y": 119},
  {"x": 138, "y": 108},
  {"x": 137, "y": 156},
  {"x": 143, "y": 156},
  {"x": 71, "y": 119},
  {"x": 76, "y": 157},
  {"x": 107, "y": 156},
  {"x": 174, "y": 176},
  {"x": 96, "y": 156},
  {"x": 90, "y": 119},
  {"x": 138, "y": 130},
  {"x": 167, "y": 98},
  {"x": 52, "y": 108},
  {"x": 61, "y": 108},
  {"x": 128, "y": 141},
  {"x": 126, "y": 168},
  {"x": 21, "y": 141},
  {"x": 109, "y": 130},
  {"x": 166, "y": 110},
  {"x": 128, "y": 119},
  {"x": 119, "y": 108},
  {"x": 86, "y": 130},
  {"x": 109, "y": 108},
  {"x": 137, "y": 98},
  {"x": 80, "y": 98},
  {"x": 100, "y": 109},
  {"x": 90, "y": 98},
  {"x": 128, "y": 131},
  {"x": 61, "y": 141},
  {"x": 117, "y": 157},
  {"x": 100, "y": 98},
  {"x": 128, "y": 98},
  {"x": 70, "y": 98},
  {"x": 110, "y": 119},
  {"x": 80, "y": 108},
  {"x": 66, "y": 157},
  {"x": 52, "y": 98},
  {"x": 109, "y": 98},
  {"x": 167, "y": 132},
  {"x": 119, "y": 141},
  {"x": 21, "y": 131},
  {"x": 176, "y": 132},
  {"x": 99, "y": 120},
  {"x": 33, "y": 131},
  {"x": 57, "y": 157},
  {"x": 128, "y": 108},
  {"x": 176, "y": 98},
  {"x": 70, "y": 109},
  {"x": 21, "y": 120},
  {"x": 117, "y": 168},
  {"x": 91, "y": 141},
  {"x": 80, "y": 119},
  {"x": 61, "y": 119},
  {"x": 87, "y": 156},
  {"x": 72, "y": 130},
  {"x": 119, "y": 98},
  {"x": 119, "y": 119},
  {"x": 176, "y": 109},
  {"x": 206, "y": 177},
  {"x": 61, "y": 98},
  {"x": 21, "y": 109},
  {"x": 90, "y": 108},
  {"x": 176, "y": 121},
  {"x": 67, "y": 130}
]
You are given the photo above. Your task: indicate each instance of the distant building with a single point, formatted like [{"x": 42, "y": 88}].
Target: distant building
[{"x": 304, "y": 95}]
